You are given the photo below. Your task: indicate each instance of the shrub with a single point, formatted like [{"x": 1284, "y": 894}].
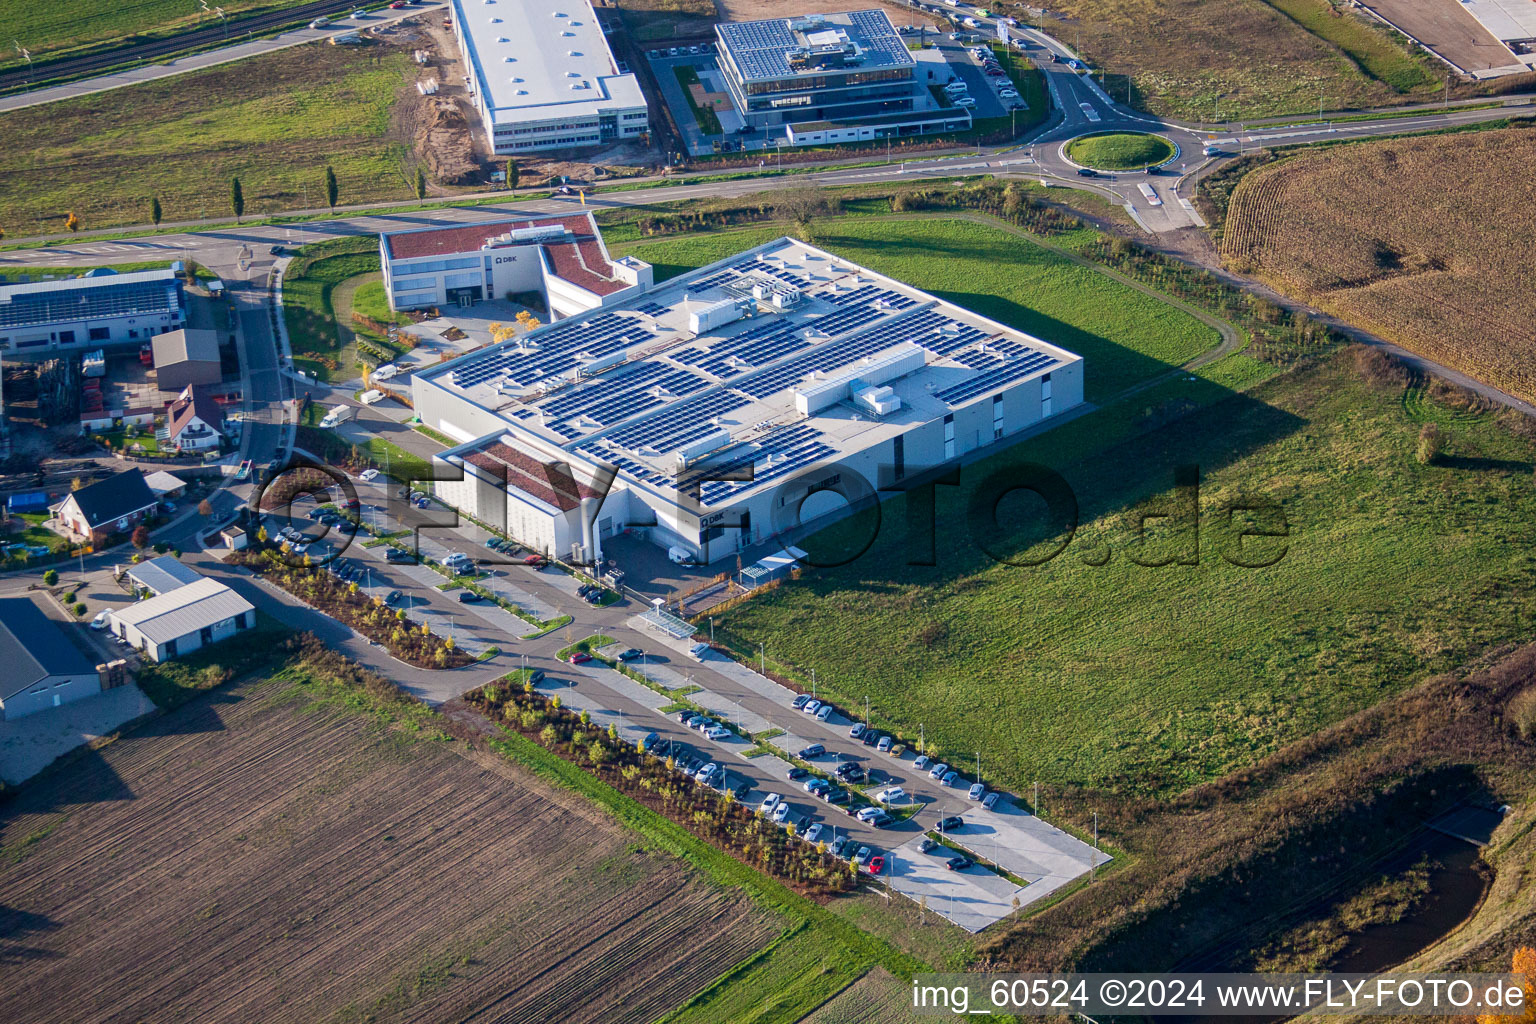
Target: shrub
[
  {"x": 1431, "y": 442},
  {"x": 51, "y": 577},
  {"x": 79, "y": 610}
]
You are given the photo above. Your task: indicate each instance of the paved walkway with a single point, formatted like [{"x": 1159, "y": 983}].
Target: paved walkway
[{"x": 199, "y": 61}]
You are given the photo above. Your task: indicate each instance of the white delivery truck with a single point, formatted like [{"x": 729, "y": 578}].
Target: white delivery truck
[
  {"x": 370, "y": 397},
  {"x": 335, "y": 417}
]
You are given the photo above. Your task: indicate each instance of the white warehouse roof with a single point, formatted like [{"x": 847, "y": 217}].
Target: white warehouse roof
[
  {"x": 781, "y": 357},
  {"x": 539, "y": 59},
  {"x": 184, "y": 610}
]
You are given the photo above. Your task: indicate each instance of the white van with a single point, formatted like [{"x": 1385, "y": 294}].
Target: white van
[
  {"x": 370, "y": 397},
  {"x": 956, "y": 87}
]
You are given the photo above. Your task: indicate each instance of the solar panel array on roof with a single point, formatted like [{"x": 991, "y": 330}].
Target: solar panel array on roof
[
  {"x": 869, "y": 295},
  {"x": 561, "y": 349},
  {"x": 603, "y": 453},
  {"x": 89, "y": 301},
  {"x": 1009, "y": 371},
  {"x": 621, "y": 396},
  {"x": 754, "y": 347},
  {"x": 760, "y": 48},
  {"x": 774, "y": 456},
  {"x": 687, "y": 421},
  {"x": 829, "y": 357},
  {"x": 651, "y": 308},
  {"x": 760, "y": 266}
]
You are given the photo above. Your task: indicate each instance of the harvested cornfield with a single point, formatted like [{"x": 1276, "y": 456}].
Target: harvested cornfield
[
  {"x": 256, "y": 856},
  {"x": 1424, "y": 241}
]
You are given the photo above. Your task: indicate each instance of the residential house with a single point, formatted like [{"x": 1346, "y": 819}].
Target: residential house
[
  {"x": 194, "y": 421},
  {"x": 114, "y": 505}
]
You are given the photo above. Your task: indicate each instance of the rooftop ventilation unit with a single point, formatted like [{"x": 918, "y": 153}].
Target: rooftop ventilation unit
[
  {"x": 880, "y": 401},
  {"x": 866, "y": 376},
  {"x": 540, "y": 231},
  {"x": 689, "y": 453},
  {"x": 716, "y": 314}
]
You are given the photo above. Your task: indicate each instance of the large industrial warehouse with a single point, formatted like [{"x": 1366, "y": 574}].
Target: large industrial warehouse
[
  {"x": 543, "y": 76},
  {"x": 724, "y": 399}
]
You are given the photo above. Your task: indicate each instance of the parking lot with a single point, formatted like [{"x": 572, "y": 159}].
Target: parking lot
[{"x": 740, "y": 700}]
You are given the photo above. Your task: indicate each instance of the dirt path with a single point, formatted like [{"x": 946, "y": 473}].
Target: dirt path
[{"x": 341, "y": 306}]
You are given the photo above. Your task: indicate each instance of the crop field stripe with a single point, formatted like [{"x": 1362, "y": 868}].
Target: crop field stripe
[{"x": 276, "y": 832}]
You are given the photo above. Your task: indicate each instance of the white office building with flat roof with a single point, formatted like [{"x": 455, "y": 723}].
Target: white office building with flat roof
[
  {"x": 543, "y": 77},
  {"x": 707, "y": 413},
  {"x": 97, "y": 310}
]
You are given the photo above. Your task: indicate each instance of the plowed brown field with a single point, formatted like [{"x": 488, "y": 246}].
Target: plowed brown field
[
  {"x": 255, "y": 857},
  {"x": 1424, "y": 241}
]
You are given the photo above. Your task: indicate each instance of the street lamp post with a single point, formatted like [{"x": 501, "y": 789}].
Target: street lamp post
[{"x": 762, "y": 656}]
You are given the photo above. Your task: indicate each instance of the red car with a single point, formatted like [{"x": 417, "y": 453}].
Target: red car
[
  {"x": 538, "y": 561},
  {"x": 399, "y": 5},
  {"x": 876, "y": 864},
  {"x": 579, "y": 657}
]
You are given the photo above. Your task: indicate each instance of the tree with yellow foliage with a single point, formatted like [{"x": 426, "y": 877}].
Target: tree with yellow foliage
[{"x": 1522, "y": 962}]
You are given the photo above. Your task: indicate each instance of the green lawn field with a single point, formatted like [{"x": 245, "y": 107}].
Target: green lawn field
[
  {"x": 1144, "y": 678},
  {"x": 275, "y": 121},
  {"x": 1125, "y": 336},
  {"x": 50, "y": 30},
  {"x": 1149, "y": 679}
]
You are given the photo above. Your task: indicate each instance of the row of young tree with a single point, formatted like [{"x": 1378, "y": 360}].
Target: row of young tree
[{"x": 237, "y": 196}]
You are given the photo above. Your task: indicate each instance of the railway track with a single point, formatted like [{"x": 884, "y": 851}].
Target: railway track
[{"x": 150, "y": 50}]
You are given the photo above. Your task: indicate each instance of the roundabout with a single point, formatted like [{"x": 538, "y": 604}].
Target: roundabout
[{"x": 1120, "y": 150}]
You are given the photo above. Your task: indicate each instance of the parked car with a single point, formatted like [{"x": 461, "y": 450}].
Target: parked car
[
  {"x": 812, "y": 752},
  {"x": 393, "y": 597},
  {"x": 949, "y": 778},
  {"x": 816, "y": 785},
  {"x": 537, "y": 561},
  {"x": 976, "y": 792},
  {"x": 882, "y": 820},
  {"x": 718, "y": 732},
  {"x": 958, "y": 863},
  {"x": 631, "y": 654},
  {"x": 578, "y": 657},
  {"x": 990, "y": 801},
  {"x": 811, "y": 707},
  {"x": 870, "y": 738},
  {"x": 397, "y": 557},
  {"x": 866, "y": 813},
  {"x": 921, "y": 763},
  {"x": 884, "y": 746},
  {"x": 856, "y": 731},
  {"x": 938, "y": 770},
  {"x": 891, "y": 794},
  {"x": 687, "y": 717},
  {"x": 780, "y": 814},
  {"x": 800, "y": 701},
  {"x": 469, "y": 597},
  {"x": 950, "y": 823},
  {"x": 863, "y": 854},
  {"x": 368, "y": 475},
  {"x": 536, "y": 676},
  {"x": 824, "y": 713},
  {"x": 928, "y": 845},
  {"x": 706, "y": 773},
  {"x": 840, "y": 846},
  {"x": 797, "y": 773},
  {"x": 651, "y": 739},
  {"x": 100, "y": 621},
  {"x": 836, "y": 796},
  {"x": 814, "y": 833},
  {"x": 876, "y": 864},
  {"x": 697, "y": 651}
]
